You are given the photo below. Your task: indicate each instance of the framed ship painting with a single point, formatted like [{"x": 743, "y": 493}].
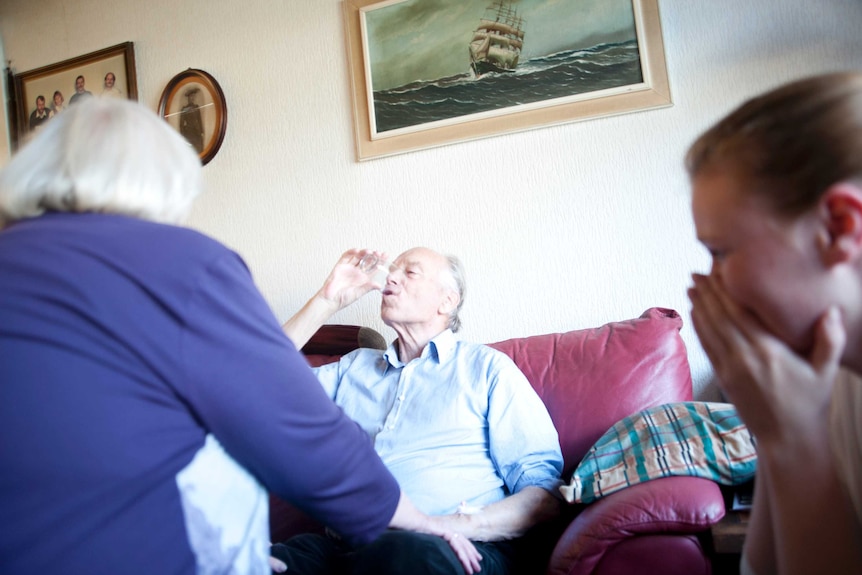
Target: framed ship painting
[{"x": 431, "y": 72}]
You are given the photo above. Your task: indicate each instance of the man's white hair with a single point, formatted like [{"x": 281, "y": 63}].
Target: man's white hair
[{"x": 458, "y": 283}]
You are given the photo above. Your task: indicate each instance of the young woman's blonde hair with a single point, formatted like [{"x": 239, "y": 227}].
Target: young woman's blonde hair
[
  {"x": 792, "y": 143},
  {"x": 102, "y": 155}
]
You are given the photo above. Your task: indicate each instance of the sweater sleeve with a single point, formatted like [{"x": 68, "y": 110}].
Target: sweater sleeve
[{"x": 251, "y": 388}]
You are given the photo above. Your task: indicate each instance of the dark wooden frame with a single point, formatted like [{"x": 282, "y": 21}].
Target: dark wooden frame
[
  {"x": 213, "y": 120},
  {"x": 119, "y": 60}
]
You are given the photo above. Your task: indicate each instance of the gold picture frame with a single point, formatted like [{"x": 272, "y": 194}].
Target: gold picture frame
[
  {"x": 72, "y": 79},
  {"x": 395, "y": 80},
  {"x": 193, "y": 104}
]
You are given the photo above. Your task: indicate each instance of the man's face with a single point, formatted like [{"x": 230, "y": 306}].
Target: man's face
[
  {"x": 109, "y": 80},
  {"x": 416, "y": 290},
  {"x": 40, "y": 104},
  {"x": 79, "y": 85}
]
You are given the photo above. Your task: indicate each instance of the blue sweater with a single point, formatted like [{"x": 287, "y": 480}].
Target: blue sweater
[{"x": 148, "y": 399}]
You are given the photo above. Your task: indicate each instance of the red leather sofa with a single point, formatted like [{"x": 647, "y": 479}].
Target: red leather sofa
[{"x": 589, "y": 379}]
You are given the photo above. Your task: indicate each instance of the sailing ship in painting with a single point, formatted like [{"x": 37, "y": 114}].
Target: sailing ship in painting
[{"x": 497, "y": 41}]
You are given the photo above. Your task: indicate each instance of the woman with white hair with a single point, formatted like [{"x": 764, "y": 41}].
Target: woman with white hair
[{"x": 148, "y": 397}]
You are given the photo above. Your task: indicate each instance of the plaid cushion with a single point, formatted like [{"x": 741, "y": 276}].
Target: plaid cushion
[{"x": 696, "y": 438}]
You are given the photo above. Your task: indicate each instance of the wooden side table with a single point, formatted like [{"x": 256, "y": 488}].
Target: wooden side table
[{"x": 728, "y": 536}]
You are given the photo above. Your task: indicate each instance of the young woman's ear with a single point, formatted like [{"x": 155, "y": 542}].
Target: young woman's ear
[{"x": 841, "y": 208}]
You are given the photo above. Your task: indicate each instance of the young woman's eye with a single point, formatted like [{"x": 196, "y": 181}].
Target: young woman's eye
[{"x": 717, "y": 255}]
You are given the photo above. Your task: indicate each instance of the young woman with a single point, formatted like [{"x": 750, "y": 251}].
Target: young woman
[{"x": 777, "y": 200}]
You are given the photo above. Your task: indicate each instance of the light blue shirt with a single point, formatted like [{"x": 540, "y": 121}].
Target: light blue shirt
[{"x": 460, "y": 423}]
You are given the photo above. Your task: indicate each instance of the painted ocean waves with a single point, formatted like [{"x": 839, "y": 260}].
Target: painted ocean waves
[{"x": 549, "y": 77}]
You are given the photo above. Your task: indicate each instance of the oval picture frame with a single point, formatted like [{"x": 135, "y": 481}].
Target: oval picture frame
[{"x": 193, "y": 104}]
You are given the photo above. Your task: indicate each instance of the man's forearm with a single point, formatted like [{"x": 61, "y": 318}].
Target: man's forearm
[
  {"x": 509, "y": 518},
  {"x": 308, "y": 320}
]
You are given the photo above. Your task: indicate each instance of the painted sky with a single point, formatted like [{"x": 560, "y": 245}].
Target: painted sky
[{"x": 427, "y": 39}]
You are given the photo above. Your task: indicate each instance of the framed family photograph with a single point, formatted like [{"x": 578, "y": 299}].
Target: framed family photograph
[
  {"x": 46, "y": 92},
  {"x": 194, "y": 104},
  {"x": 425, "y": 73}
]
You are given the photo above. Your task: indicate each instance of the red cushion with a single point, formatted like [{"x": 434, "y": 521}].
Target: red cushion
[{"x": 591, "y": 378}]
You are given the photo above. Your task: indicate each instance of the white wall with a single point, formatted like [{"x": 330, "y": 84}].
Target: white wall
[{"x": 592, "y": 225}]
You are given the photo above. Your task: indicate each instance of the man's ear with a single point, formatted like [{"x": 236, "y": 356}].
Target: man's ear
[
  {"x": 449, "y": 303},
  {"x": 841, "y": 209}
]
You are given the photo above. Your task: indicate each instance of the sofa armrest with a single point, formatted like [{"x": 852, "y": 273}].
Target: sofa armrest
[{"x": 666, "y": 505}]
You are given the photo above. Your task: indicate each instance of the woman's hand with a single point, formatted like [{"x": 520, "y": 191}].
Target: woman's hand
[
  {"x": 466, "y": 552},
  {"x": 778, "y": 393},
  {"x": 448, "y": 527},
  {"x": 277, "y": 565},
  {"x": 784, "y": 399},
  {"x": 409, "y": 518}
]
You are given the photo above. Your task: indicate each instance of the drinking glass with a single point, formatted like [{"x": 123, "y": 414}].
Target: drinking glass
[{"x": 376, "y": 267}]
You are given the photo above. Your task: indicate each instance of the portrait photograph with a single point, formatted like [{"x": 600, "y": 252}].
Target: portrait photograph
[
  {"x": 193, "y": 104},
  {"x": 48, "y": 91}
]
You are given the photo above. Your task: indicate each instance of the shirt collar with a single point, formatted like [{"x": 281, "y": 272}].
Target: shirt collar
[{"x": 440, "y": 348}]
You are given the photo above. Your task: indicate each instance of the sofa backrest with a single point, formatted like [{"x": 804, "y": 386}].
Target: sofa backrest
[
  {"x": 332, "y": 341},
  {"x": 591, "y": 378}
]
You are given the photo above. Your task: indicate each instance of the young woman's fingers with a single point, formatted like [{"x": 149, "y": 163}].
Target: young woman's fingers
[{"x": 829, "y": 341}]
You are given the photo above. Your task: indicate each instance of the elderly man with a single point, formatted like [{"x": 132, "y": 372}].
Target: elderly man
[{"x": 457, "y": 424}]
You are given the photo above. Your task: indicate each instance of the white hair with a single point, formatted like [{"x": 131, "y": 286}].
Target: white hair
[
  {"x": 458, "y": 283},
  {"x": 103, "y": 155}
]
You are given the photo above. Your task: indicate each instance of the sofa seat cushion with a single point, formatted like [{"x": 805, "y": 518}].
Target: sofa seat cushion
[
  {"x": 695, "y": 438},
  {"x": 591, "y": 378}
]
